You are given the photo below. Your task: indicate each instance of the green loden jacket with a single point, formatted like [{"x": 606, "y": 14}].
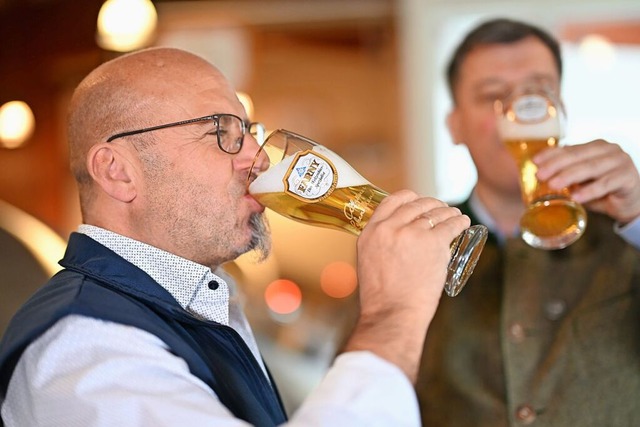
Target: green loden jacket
[{"x": 540, "y": 338}]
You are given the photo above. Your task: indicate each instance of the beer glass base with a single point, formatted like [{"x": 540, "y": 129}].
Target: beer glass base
[
  {"x": 465, "y": 251},
  {"x": 553, "y": 223}
]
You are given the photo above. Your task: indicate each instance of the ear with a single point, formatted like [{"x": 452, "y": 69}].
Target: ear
[
  {"x": 454, "y": 123},
  {"x": 113, "y": 171}
]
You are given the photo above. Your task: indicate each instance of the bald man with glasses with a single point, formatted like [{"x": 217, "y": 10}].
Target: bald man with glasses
[{"x": 139, "y": 329}]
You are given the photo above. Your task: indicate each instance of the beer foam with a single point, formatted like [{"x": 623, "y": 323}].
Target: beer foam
[
  {"x": 515, "y": 130},
  {"x": 271, "y": 181}
]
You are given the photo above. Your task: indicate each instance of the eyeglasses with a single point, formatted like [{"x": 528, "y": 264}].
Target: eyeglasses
[{"x": 229, "y": 129}]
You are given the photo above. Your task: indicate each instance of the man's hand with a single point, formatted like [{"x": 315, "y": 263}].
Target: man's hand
[
  {"x": 403, "y": 254},
  {"x": 600, "y": 175}
]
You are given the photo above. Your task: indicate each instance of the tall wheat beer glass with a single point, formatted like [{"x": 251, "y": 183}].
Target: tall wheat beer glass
[
  {"x": 531, "y": 119},
  {"x": 309, "y": 183}
]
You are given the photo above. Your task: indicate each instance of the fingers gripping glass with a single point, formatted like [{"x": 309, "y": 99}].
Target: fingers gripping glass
[{"x": 229, "y": 129}]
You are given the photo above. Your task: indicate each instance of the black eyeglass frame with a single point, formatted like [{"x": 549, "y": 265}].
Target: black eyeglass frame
[{"x": 213, "y": 117}]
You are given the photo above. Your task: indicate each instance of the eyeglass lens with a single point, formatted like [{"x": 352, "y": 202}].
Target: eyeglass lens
[{"x": 230, "y": 133}]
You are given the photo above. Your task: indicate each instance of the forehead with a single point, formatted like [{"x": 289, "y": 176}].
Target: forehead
[
  {"x": 192, "y": 89},
  {"x": 507, "y": 64},
  {"x": 213, "y": 99}
]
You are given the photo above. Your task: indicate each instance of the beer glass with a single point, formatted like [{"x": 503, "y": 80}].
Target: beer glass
[
  {"x": 309, "y": 183},
  {"x": 529, "y": 120}
]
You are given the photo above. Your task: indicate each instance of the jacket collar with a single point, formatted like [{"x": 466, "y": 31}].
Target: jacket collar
[{"x": 92, "y": 259}]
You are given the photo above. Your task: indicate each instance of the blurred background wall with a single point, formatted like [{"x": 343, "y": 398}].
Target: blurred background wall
[{"x": 364, "y": 77}]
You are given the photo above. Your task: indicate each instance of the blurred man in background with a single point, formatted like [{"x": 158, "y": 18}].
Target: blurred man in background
[{"x": 544, "y": 337}]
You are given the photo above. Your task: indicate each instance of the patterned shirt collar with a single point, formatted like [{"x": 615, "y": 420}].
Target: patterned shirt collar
[{"x": 194, "y": 286}]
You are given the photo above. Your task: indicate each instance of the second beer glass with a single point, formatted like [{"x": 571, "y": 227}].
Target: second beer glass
[
  {"x": 309, "y": 183},
  {"x": 529, "y": 120}
]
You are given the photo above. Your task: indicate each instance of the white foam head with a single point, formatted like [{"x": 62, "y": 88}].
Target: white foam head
[
  {"x": 531, "y": 116},
  {"x": 516, "y": 130}
]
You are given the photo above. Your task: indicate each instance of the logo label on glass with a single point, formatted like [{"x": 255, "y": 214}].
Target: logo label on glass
[
  {"x": 531, "y": 109},
  {"x": 311, "y": 177}
]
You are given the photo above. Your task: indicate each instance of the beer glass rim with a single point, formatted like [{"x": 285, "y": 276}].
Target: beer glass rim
[
  {"x": 276, "y": 133},
  {"x": 535, "y": 87}
]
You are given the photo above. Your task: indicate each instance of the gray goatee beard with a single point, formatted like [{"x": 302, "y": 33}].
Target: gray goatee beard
[{"x": 260, "y": 236}]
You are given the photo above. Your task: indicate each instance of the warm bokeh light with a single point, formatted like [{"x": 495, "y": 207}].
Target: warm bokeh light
[
  {"x": 338, "y": 279},
  {"x": 247, "y": 103},
  {"x": 43, "y": 243},
  {"x": 16, "y": 124},
  {"x": 597, "y": 52},
  {"x": 283, "y": 296},
  {"x": 126, "y": 25}
]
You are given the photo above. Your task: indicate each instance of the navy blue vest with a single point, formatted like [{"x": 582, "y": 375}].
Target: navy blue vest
[{"x": 98, "y": 283}]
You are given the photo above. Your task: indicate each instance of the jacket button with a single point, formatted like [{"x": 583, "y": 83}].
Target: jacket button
[
  {"x": 516, "y": 333},
  {"x": 554, "y": 309},
  {"x": 525, "y": 414}
]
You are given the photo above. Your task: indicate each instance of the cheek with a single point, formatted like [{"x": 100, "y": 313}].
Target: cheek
[
  {"x": 488, "y": 126},
  {"x": 198, "y": 190},
  {"x": 479, "y": 131},
  {"x": 486, "y": 147},
  {"x": 483, "y": 124}
]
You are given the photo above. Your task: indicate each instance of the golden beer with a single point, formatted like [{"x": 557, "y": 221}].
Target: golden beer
[
  {"x": 316, "y": 186},
  {"x": 530, "y": 120},
  {"x": 550, "y": 214},
  {"x": 346, "y": 209},
  {"x": 309, "y": 183}
]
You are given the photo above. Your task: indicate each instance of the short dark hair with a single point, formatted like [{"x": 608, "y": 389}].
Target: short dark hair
[{"x": 498, "y": 31}]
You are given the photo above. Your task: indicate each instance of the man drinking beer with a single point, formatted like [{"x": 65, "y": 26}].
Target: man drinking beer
[{"x": 551, "y": 337}]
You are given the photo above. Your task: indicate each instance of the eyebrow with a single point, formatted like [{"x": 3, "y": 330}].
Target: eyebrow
[{"x": 535, "y": 77}]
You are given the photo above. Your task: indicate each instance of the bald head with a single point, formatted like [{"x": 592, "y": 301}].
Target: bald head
[{"x": 133, "y": 91}]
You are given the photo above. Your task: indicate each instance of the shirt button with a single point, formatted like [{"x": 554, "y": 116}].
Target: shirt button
[
  {"x": 525, "y": 414},
  {"x": 213, "y": 285},
  {"x": 516, "y": 333},
  {"x": 554, "y": 309}
]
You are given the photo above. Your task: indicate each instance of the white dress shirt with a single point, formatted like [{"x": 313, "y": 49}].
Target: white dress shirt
[{"x": 89, "y": 372}]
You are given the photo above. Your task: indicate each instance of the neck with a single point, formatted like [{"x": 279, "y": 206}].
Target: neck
[{"x": 504, "y": 209}]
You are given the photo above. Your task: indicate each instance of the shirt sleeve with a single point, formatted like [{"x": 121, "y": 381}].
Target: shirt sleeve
[
  {"x": 630, "y": 232},
  {"x": 360, "y": 389},
  {"x": 89, "y": 372}
]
